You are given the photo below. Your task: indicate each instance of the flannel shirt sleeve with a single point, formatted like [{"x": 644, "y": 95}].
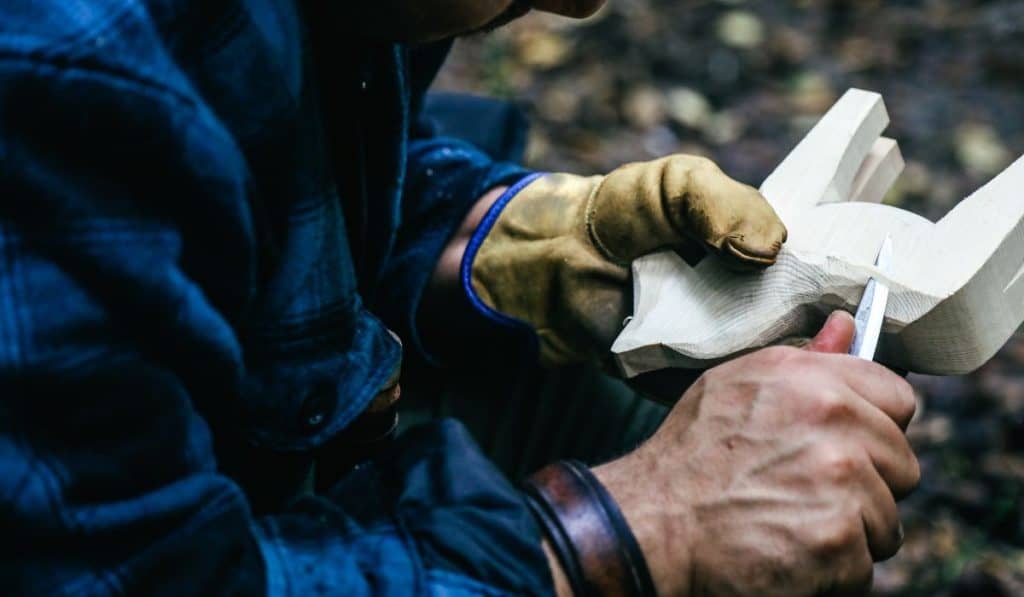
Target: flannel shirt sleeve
[{"x": 445, "y": 178}]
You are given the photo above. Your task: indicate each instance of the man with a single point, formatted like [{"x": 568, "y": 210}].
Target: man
[{"x": 203, "y": 201}]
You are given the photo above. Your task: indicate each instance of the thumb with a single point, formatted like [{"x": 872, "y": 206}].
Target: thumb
[{"x": 835, "y": 336}]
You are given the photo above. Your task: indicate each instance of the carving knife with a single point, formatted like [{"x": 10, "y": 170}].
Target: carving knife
[{"x": 871, "y": 311}]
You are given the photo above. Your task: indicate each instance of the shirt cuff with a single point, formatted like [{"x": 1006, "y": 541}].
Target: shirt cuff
[{"x": 446, "y": 178}]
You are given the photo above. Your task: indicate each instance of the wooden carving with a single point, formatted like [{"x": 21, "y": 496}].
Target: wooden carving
[{"x": 957, "y": 286}]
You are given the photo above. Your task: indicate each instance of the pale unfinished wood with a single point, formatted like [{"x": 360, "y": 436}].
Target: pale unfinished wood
[{"x": 957, "y": 285}]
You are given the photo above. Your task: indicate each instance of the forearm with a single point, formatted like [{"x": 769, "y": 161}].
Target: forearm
[{"x": 444, "y": 180}]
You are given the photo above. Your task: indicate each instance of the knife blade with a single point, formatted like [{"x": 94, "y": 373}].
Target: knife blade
[{"x": 871, "y": 311}]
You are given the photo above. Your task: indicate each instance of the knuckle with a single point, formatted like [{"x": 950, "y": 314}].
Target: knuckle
[
  {"x": 699, "y": 162},
  {"x": 777, "y": 355},
  {"x": 699, "y": 386},
  {"x": 840, "y": 535},
  {"x": 913, "y": 475},
  {"x": 684, "y": 171},
  {"x": 755, "y": 201},
  {"x": 900, "y": 398},
  {"x": 906, "y": 401},
  {"x": 838, "y": 465},
  {"x": 712, "y": 376},
  {"x": 831, "y": 406}
]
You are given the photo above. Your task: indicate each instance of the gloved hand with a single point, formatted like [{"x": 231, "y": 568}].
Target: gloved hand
[{"x": 556, "y": 256}]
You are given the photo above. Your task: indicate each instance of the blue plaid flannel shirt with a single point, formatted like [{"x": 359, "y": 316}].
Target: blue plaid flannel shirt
[{"x": 209, "y": 211}]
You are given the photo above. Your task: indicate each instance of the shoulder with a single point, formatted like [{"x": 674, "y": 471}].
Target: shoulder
[
  {"x": 42, "y": 27},
  {"x": 125, "y": 41}
]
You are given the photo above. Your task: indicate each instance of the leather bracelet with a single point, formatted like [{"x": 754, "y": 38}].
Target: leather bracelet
[{"x": 587, "y": 531}]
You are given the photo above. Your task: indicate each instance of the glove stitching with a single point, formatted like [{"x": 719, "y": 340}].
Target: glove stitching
[{"x": 588, "y": 220}]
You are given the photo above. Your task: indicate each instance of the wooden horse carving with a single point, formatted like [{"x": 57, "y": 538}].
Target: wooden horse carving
[{"x": 957, "y": 286}]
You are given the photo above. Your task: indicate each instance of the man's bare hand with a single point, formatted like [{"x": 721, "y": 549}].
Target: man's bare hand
[{"x": 776, "y": 474}]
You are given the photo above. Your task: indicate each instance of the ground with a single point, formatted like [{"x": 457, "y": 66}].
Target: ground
[{"x": 741, "y": 82}]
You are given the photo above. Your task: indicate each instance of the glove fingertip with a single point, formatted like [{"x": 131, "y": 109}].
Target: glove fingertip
[{"x": 753, "y": 256}]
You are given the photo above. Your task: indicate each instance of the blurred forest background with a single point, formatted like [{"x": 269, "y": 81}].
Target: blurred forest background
[{"x": 741, "y": 82}]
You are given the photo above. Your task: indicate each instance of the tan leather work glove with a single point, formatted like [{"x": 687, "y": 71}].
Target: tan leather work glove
[{"x": 557, "y": 255}]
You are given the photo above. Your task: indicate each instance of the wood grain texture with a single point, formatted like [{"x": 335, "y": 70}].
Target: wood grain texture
[{"x": 957, "y": 286}]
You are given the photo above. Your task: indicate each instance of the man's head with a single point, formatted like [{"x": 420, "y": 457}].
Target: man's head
[{"x": 427, "y": 20}]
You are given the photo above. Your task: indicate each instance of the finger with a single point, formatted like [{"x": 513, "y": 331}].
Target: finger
[
  {"x": 885, "y": 443},
  {"x": 703, "y": 204},
  {"x": 836, "y": 335},
  {"x": 758, "y": 239},
  {"x": 731, "y": 217},
  {"x": 890, "y": 452},
  {"x": 880, "y": 386},
  {"x": 881, "y": 517},
  {"x": 889, "y": 392},
  {"x": 854, "y": 575},
  {"x": 875, "y": 384},
  {"x": 758, "y": 255}
]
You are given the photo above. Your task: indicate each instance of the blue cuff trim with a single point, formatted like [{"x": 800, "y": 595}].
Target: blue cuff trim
[{"x": 466, "y": 268}]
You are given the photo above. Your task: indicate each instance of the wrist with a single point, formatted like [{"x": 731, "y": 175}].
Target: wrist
[
  {"x": 586, "y": 532},
  {"x": 561, "y": 582},
  {"x": 443, "y": 307},
  {"x": 664, "y": 536},
  {"x": 445, "y": 278}
]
